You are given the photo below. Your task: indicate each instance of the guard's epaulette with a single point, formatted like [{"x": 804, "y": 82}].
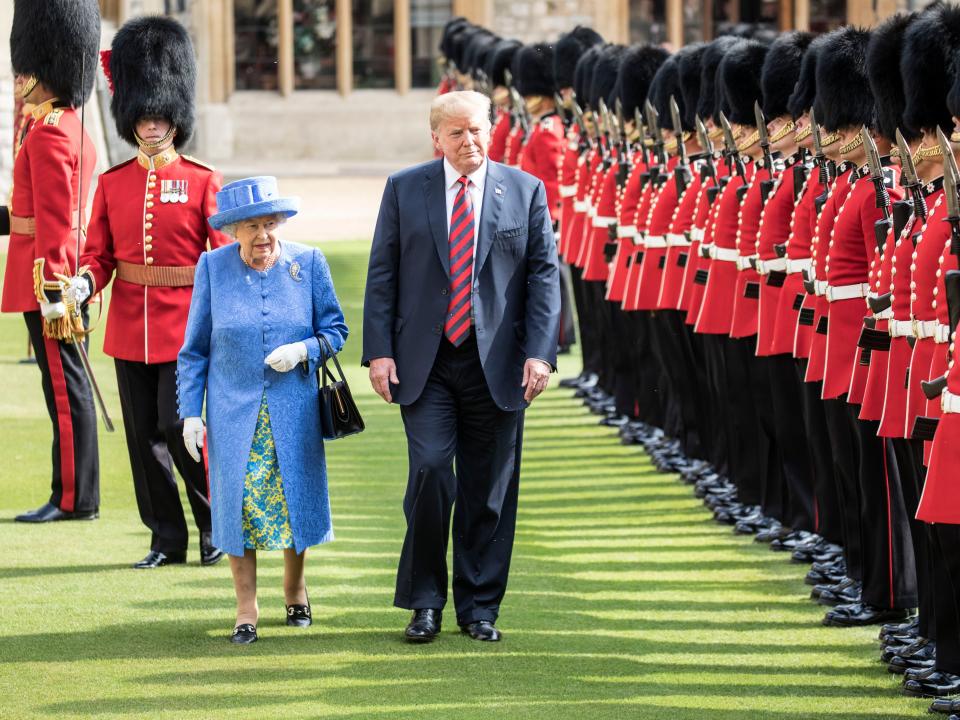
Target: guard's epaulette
[
  {"x": 53, "y": 117},
  {"x": 119, "y": 165},
  {"x": 190, "y": 158}
]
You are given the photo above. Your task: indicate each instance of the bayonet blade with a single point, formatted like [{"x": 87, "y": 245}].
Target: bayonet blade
[
  {"x": 906, "y": 162},
  {"x": 653, "y": 124},
  {"x": 815, "y": 126},
  {"x": 761, "y": 125},
  {"x": 705, "y": 142},
  {"x": 728, "y": 139},
  {"x": 873, "y": 155},
  {"x": 678, "y": 130},
  {"x": 508, "y": 78},
  {"x": 950, "y": 176}
]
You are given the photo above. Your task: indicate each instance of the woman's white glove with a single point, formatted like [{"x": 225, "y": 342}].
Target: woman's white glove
[
  {"x": 193, "y": 436},
  {"x": 286, "y": 357},
  {"x": 52, "y": 311}
]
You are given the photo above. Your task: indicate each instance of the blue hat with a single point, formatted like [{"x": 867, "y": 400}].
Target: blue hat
[{"x": 250, "y": 198}]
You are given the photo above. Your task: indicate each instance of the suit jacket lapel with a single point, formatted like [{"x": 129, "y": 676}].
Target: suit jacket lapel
[
  {"x": 435, "y": 194},
  {"x": 493, "y": 194}
]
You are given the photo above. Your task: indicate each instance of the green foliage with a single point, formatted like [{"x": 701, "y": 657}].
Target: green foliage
[{"x": 625, "y": 601}]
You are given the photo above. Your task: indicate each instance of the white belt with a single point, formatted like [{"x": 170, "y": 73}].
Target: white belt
[
  {"x": 602, "y": 221},
  {"x": 626, "y": 231},
  {"x": 706, "y": 249},
  {"x": 743, "y": 262},
  {"x": 900, "y": 328},
  {"x": 725, "y": 254},
  {"x": 799, "y": 265},
  {"x": 820, "y": 287},
  {"x": 942, "y": 334},
  {"x": 765, "y": 267},
  {"x": 696, "y": 234},
  {"x": 567, "y": 190},
  {"x": 949, "y": 402},
  {"x": 591, "y": 210},
  {"x": 677, "y": 240},
  {"x": 884, "y": 315},
  {"x": 847, "y": 292},
  {"x": 580, "y": 205},
  {"x": 573, "y": 145},
  {"x": 923, "y": 329},
  {"x": 655, "y": 241}
]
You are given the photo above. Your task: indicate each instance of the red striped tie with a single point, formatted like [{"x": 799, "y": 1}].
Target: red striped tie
[{"x": 457, "y": 326}]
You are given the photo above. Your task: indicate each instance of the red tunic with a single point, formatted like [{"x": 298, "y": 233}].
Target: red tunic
[
  {"x": 774, "y": 230},
  {"x": 596, "y": 231},
  {"x": 498, "y": 136},
  {"x": 567, "y": 189},
  {"x": 581, "y": 204},
  {"x": 627, "y": 247},
  {"x": 679, "y": 244},
  {"x": 747, "y": 291},
  {"x": 131, "y": 223},
  {"x": 871, "y": 407},
  {"x": 662, "y": 209},
  {"x": 515, "y": 142},
  {"x": 938, "y": 365},
  {"x": 639, "y": 220},
  {"x": 46, "y": 177},
  {"x": 716, "y": 309},
  {"x": 819, "y": 249},
  {"x": 542, "y": 155},
  {"x": 698, "y": 266}
]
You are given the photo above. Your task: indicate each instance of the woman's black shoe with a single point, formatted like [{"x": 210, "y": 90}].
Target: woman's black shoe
[
  {"x": 244, "y": 634},
  {"x": 299, "y": 615}
]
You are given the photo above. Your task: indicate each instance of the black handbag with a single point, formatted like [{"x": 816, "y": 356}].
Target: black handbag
[{"x": 339, "y": 416}]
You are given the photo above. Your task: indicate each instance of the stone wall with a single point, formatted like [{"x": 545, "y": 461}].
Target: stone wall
[{"x": 539, "y": 20}]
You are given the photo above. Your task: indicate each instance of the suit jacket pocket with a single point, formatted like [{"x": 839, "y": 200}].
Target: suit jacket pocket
[{"x": 511, "y": 236}]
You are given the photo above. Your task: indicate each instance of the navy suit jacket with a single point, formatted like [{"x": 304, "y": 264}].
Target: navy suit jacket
[{"x": 516, "y": 292}]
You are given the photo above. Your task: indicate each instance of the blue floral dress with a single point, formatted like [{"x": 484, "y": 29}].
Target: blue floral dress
[{"x": 266, "y": 520}]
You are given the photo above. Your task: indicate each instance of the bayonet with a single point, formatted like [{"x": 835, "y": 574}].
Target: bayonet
[
  {"x": 882, "y": 226},
  {"x": 820, "y": 160},
  {"x": 951, "y": 179},
  {"x": 733, "y": 154},
  {"x": 641, "y": 135},
  {"x": 624, "y": 166},
  {"x": 909, "y": 179},
  {"x": 766, "y": 186},
  {"x": 683, "y": 166}
]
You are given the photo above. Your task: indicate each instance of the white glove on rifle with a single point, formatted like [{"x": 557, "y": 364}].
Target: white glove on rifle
[
  {"x": 286, "y": 357},
  {"x": 193, "y": 436},
  {"x": 76, "y": 289},
  {"x": 52, "y": 311}
]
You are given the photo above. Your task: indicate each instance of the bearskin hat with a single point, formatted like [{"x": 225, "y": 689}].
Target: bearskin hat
[
  {"x": 666, "y": 83},
  {"x": 707, "y": 106},
  {"x": 583, "y": 75},
  {"x": 57, "y": 42},
  {"x": 805, "y": 91},
  {"x": 928, "y": 53},
  {"x": 499, "y": 59},
  {"x": 154, "y": 73},
  {"x": 569, "y": 48},
  {"x": 886, "y": 83},
  {"x": 474, "y": 54},
  {"x": 843, "y": 96},
  {"x": 604, "y": 77},
  {"x": 637, "y": 69},
  {"x": 535, "y": 70},
  {"x": 781, "y": 70},
  {"x": 460, "y": 41},
  {"x": 739, "y": 80},
  {"x": 688, "y": 62},
  {"x": 453, "y": 26}
]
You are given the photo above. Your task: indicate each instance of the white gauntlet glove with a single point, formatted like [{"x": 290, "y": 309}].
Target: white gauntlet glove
[
  {"x": 52, "y": 311},
  {"x": 193, "y": 436},
  {"x": 286, "y": 357}
]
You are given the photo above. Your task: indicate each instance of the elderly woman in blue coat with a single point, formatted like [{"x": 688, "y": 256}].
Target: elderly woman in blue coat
[{"x": 251, "y": 347}]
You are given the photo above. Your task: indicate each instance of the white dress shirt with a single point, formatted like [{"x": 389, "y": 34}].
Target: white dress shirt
[{"x": 474, "y": 187}]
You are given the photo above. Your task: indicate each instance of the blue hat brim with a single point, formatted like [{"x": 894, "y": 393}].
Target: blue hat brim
[{"x": 288, "y": 207}]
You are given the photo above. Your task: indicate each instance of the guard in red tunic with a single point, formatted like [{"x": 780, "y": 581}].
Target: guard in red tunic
[
  {"x": 54, "y": 52},
  {"x": 498, "y": 60},
  {"x": 147, "y": 231}
]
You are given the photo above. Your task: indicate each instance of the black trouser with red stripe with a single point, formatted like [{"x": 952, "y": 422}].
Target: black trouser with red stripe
[
  {"x": 906, "y": 453},
  {"x": 828, "y": 518},
  {"x": 945, "y": 555},
  {"x": 889, "y": 571},
  {"x": 148, "y": 398},
  {"x": 587, "y": 323},
  {"x": 844, "y": 446},
  {"x": 76, "y": 463},
  {"x": 568, "y": 335}
]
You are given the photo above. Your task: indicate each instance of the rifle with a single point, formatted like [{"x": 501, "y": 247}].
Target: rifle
[
  {"x": 625, "y": 165},
  {"x": 766, "y": 186},
  {"x": 653, "y": 128},
  {"x": 581, "y": 125},
  {"x": 880, "y": 227},
  {"x": 603, "y": 124},
  {"x": 733, "y": 155},
  {"x": 820, "y": 160},
  {"x": 908, "y": 178},
  {"x": 709, "y": 168},
  {"x": 641, "y": 135},
  {"x": 683, "y": 166},
  {"x": 561, "y": 111}
]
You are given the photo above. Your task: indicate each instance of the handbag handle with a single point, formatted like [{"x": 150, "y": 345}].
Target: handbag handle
[{"x": 329, "y": 354}]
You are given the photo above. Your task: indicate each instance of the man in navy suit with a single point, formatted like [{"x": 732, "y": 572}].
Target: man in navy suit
[{"x": 461, "y": 318}]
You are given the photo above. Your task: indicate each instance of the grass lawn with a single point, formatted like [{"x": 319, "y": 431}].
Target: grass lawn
[{"x": 625, "y": 600}]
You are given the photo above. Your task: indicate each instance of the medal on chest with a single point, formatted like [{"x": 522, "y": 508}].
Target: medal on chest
[{"x": 173, "y": 191}]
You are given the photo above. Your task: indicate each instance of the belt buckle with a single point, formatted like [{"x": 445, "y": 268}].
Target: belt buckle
[{"x": 915, "y": 327}]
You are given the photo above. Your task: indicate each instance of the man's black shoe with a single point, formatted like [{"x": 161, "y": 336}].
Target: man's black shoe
[
  {"x": 155, "y": 559},
  {"x": 424, "y": 626},
  {"x": 921, "y": 647},
  {"x": 572, "y": 382},
  {"x": 911, "y": 627},
  {"x": 482, "y": 630},
  {"x": 899, "y": 665},
  {"x": 51, "y": 513},
  {"x": 945, "y": 706},
  {"x": 858, "y": 614},
  {"x": 842, "y": 594},
  {"x": 937, "y": 684},
  {"x": 210, "y": 554}
]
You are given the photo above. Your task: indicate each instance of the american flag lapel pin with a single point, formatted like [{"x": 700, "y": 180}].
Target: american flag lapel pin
[{"x": 498, "y": 190}]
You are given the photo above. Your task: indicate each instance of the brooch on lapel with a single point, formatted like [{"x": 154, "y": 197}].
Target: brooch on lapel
[{"x": 295, "y": 271}]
